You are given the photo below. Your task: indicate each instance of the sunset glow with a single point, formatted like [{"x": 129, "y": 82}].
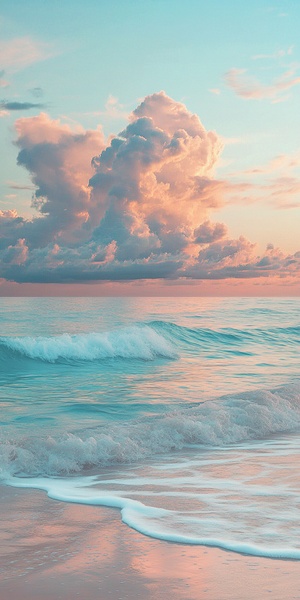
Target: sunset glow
[{"x": 185, "y": 178}]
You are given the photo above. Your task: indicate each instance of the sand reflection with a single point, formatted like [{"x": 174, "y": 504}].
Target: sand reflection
[{"x": 64, "y": 551}]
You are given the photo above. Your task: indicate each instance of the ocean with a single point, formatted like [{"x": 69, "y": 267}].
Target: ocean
[{"x": 183, "y": 413}]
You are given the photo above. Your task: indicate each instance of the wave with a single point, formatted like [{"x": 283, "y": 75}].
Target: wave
[
  {"x": 225, "y": 421},
  {"x": 133, "y": 342},
  {"x": 203, "y": 338},
  {"x": 226, "y": 335},
  {"x": 144, "y": 341}
]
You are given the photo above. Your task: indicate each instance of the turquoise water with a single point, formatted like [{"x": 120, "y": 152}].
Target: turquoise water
[{"x": 184, "y": 413}]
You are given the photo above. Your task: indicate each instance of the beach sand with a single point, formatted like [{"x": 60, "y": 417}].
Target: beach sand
[{"x": 54, "y": 550}]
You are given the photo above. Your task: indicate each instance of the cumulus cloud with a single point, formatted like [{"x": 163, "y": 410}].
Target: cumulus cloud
[
  {"x": 209, "y": 232},
  {"x": 59, "y": 161},
  {"x": 137, "y": 206},
  {"x": 17, "y": 254},
  {"x": 238, "y": 259},
  {"x": 153, "y": 182}
]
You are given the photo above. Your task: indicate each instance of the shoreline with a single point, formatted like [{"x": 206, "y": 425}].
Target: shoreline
[{"x": 55, "y": 550}]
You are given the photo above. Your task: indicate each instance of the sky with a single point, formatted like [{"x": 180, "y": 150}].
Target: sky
[{"x": 149, "y": 147}]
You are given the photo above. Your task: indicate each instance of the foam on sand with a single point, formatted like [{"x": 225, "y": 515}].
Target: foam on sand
[{"x": 150, "y": 521}]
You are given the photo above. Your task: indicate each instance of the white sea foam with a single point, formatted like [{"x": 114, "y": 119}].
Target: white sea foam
[
  {"x": 230, "y": 513},
  {"x": 137, "y": 342},
  {"x": 226, "y": 421},
  {"x": 222, "y": 473},
  {"x": 241, "y": 495}
]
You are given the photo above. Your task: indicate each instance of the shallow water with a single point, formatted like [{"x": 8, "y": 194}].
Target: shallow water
[{"x": 184, "y": 413}]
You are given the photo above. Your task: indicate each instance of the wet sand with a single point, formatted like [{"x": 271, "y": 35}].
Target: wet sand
[{"x": 54, "y": 550}]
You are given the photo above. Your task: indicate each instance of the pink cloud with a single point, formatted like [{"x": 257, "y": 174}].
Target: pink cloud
[
  {"x": 282, "y": 162},
  {"x": 285, "y": 191},
  {"x": 8, "y": 214},
  {"x": 59, "y": 160},
  {"x": 239, "y": 259},
  {"x": 136, "y": 207},
  {"x": 252, "y": 89},
  {"x": 277, "y": 182},
  {"x": 18, "y": 53},
  {"x": 153, "y": 183}
]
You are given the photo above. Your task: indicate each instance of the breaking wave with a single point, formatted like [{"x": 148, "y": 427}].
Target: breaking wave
[
  {"x": 144, "y": 341},
  {"x": 134, "y": 342},
  {"x": 218, "y": 423}
]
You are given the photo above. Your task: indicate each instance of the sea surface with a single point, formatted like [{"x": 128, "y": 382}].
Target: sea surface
[{"x": 183, "y": 413}]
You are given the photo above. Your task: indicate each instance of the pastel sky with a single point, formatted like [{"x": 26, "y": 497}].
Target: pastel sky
[{"x": 150, "y": 147}]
